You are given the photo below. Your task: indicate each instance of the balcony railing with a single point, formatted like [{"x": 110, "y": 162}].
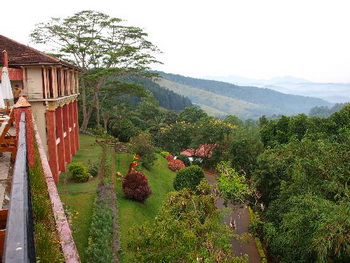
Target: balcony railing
[{"x": 32, "y": 170}]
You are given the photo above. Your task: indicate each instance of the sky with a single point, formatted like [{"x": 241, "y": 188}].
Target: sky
[{"x": 263, "y": 39}]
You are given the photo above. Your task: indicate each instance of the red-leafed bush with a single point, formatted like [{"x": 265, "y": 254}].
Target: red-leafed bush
[
  {"x": 169, "y": 157},
  {"x": 176, "y": 165},
  {"x": 135, "y": 186}
]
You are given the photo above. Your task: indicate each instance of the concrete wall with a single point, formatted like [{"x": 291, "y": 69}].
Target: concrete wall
[
  {"x": 34, "y": 83},
  {"x": 39, "y": 110}
]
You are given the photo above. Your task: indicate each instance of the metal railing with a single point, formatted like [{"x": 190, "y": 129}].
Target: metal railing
[{"x": 19, "y": 241}]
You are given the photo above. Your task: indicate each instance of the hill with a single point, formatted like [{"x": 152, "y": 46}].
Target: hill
[
  {"x": 243, "y": 101},
  {"x": 333, "y": 92},
  {"x": 167, "y": 99}
]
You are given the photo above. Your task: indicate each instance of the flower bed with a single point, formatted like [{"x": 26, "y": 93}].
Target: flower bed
[{"x": 102, "y": 231}]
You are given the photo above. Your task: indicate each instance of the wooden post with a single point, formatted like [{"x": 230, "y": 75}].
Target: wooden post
[
  {"x": 25, "y": 90},
  {"x": 54, "y": 82},
  {"x": 5, "y": 59}
]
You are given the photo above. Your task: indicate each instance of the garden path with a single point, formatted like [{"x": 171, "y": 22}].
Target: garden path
[{"x": 240, "y": 216}]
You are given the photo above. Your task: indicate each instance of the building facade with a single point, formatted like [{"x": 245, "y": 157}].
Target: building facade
[{"x": 51, "y": 87}]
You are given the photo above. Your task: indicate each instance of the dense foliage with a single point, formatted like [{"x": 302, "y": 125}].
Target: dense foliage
[
  {"x": 303, "y": 176},
  {"x": 187, "y": 229},
  {"x": 142, "y": 146},
  {"x": 175, "y": 137},
  {"x": 245, "y": 146},
  {"x": 232, "y": 186},
  {"x": 135, "y": 186},
  {"x": 167, "y": 98},
  {"x": 189, "y": 177},
  {"x": 324, "y": 111}
]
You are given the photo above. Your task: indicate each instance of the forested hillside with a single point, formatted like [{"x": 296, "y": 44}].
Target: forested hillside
[
  {"x": 167, "y": 98},
  {"x": 324, "y": 111},
  {"x": 252, "y": 101}
]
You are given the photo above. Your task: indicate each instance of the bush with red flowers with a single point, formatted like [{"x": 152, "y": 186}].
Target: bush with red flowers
[
  {"x": 169, "y": 157},
  {"x": 176, "y": 165},
  {"x": 135, "y": 186}
]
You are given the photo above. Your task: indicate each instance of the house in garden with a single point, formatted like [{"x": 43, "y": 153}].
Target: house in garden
[
  {"x": 51, "y": 87},
  {"x": 204, "y": 151}
]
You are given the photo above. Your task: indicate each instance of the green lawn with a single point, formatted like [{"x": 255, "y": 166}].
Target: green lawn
[
  {"x": 132, "y": 213},
  {"x": 79, "y": 197}
]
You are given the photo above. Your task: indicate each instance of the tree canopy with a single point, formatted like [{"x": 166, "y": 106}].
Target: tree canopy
[{"x": 101, "y": 46}]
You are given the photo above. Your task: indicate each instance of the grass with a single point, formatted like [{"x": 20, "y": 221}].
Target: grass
[
  {"x": 132, "y": 213},
  {"x": 79, "y": 197},
  {"x": 220, "y": 102}
]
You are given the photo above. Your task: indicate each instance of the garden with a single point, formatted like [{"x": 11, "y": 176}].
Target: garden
[
  {"x": 120, "y": 211},
  {"x": 82, "y": 198}
]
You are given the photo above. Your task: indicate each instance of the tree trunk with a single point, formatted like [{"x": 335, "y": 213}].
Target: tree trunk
[
  {"x": 98, "y": 117},
  {"x": 87, "y": 118},
  {"x": 105, "y": 118},
  {"x": 83, "y": 96},
  {"x": 97, "y": 88}
]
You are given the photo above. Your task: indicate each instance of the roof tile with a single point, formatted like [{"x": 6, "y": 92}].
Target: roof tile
[{"x": 22, "y": 55}]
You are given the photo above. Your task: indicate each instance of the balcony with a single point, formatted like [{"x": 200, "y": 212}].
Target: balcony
[{"x": 34, "y": 203}]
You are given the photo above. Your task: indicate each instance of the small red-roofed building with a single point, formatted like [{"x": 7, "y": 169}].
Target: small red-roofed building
[{"x": 203, "y": 151}]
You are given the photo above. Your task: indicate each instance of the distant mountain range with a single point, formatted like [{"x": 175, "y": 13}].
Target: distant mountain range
[
  {"x": 220, "y": 98},
  {"x": 332, "y": 92}
]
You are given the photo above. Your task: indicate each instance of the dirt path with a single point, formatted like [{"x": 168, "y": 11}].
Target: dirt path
[{"x": 240, "y": 216}]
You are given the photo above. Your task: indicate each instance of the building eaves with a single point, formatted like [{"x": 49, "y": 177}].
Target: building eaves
[{"x": 22, "y": 55}]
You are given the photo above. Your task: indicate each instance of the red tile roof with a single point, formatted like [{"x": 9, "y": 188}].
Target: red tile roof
[
  {"x": 22, "y": 55},
  {"x": 204, "y": 151}
]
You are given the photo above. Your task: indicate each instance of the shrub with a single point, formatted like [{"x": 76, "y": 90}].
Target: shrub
[
  {"x": 79, "y": 172},
  {"x": 185, "y": 159},
  {"x": 135, "y": 186},
  {"x": 94, "y": 168},
  {"x": 169, "y": 157},
  {"x": 164, "y": 153},
  {"x": 176, "y": 165},
  {"x": 142, "y": 146},
  {"x": 189, "y": 177}
]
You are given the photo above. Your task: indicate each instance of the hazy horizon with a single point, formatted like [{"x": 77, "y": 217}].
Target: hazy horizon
[{"x": 256, "y": 39}]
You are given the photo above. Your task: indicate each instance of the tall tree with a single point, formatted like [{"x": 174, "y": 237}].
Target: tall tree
[
  {"x": 188, "y": 228},
  {"x": 112, "y": 94},
  {"x": 100, "y": 45},
  {"x": 192, "y": 114}
]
